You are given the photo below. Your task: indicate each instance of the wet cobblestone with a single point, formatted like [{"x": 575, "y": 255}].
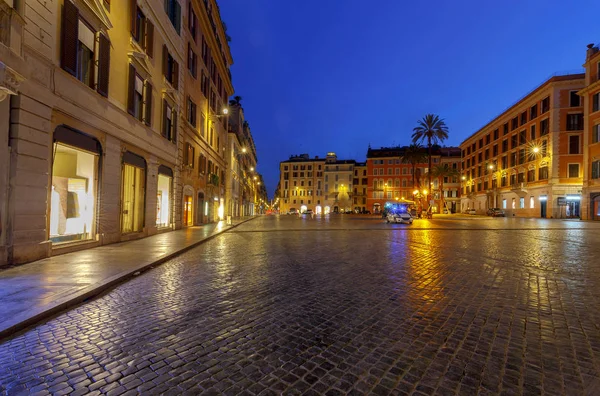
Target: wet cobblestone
[{"x": 338, "y": 306}]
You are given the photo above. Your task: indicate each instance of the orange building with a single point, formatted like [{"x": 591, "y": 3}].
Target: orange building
[
  {"x": 529, "y": 160},
  {"x": 390, "y": 179},
  {"x": 590, "y": 200}
]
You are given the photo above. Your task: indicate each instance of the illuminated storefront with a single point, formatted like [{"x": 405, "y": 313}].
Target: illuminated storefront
[
  {"x": 163, "y": 198},
  {"x": 134, "y": 192},
  {"x": 73, "y": 196}
]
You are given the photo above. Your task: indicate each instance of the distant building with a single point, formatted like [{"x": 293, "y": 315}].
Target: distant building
[
  {"x": 338, "y": 184},
  {"x": 529, "y": 160},
  {"x": 360, "y": 183},
  {"x": 301, "y": 183}
]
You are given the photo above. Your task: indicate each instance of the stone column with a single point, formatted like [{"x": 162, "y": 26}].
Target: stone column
[
  {"x": 151, "y": 191},
  {"x": 109, "y": 221}
]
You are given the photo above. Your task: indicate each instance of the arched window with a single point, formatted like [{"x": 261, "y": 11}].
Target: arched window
[
  {"x": 403, "y": 182},
  {"x": 397, "y": 183}
]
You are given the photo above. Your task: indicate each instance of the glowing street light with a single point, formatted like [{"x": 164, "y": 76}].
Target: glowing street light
[{"x": 536, "y": 150}]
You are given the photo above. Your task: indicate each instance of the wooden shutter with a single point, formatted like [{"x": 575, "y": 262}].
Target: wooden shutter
[
  {"x": 165, "y": 55},
  {"x": 175, "y": 76},
  {"x": 149, "y": 46},
  {"x": 186, "y": 154},
  {"x": 131, "y": 90},
  {"x": 103, "y": 65},
  {"x": 133, "y": 17},
  {"x": 174, "y": 125},
  {"x": 148, "y": 103},
  {"x": 164, "y": 131},
  {"x": 192, "y": 163},
  {"x": 190, "y": 10},
  {"x": 70, "y": 36}
]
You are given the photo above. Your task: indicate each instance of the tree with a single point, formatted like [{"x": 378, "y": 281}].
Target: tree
[
  {"x": 439, "y": 172},
  {"x": 236, "y": 101},
  {"x": 414, "y": 155},
  {"x": 432, "y": 129}
]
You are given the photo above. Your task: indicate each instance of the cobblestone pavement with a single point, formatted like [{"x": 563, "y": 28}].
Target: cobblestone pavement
[{"x": 335, "y": 306}]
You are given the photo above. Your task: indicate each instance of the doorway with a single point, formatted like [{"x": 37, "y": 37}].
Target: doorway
[
  {"x": 543, "y": 209},
  {"x": 187, "y": 210}
]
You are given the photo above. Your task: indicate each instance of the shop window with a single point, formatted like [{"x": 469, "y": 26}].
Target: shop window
[
  {"x": 188, "y": 219},
  {"x": 504, "y": 204},
  {"x": 531, "y": 202},
  {"x": 80, "y": 56},
  {"x": 134, "y": 184},
  {"x": 73, "y": 196},
  {"x": 163, "y": 199}
]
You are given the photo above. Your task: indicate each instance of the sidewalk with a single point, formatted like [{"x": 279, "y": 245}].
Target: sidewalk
[{"x": 37, "y": 290}]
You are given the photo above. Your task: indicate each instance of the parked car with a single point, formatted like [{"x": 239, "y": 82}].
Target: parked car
[
  {"x": 497, "y": 212},
  {"x": 308, "y": 212},
  {"x": 403, "y": 218},
  {"x": 471, "y": 211},
  {"x": 292, "y": 211}
]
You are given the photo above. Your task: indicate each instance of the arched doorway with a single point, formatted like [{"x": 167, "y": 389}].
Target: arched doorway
[
  {"x": 318, "y": 209},
  {"x": 377, "y": 208},
  {"x": 303, "y": 208}
]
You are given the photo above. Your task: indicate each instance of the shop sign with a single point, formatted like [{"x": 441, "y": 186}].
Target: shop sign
[{"x": 562, "y": 201}]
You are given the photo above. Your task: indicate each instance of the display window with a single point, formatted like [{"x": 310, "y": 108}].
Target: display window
[
  {"x": 73, "y": 196},
  {"x": 163, "y": 201}
]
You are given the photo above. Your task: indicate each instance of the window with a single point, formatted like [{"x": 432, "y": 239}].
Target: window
[
  {"x": 545, "y": 104},
  {"x": 169, "y": 129},
  {"x": 170, "y": 68},
  {"x": 504, "y": 204},
  {"x": 574, "y": 122},
  {"x": 504, "y": 162},
  {"x": 514, "y": 141},
  {"x": 495, "y": 150},
  {"x": 192, "y": 22},
  {"x": 523, "y": 118},
  {"x": 533, "y": 112},
  {"x": 596, "y": 102},
  {"x": 188, "y": 155},
  {"x": 173, "y": 10},
  {"x": 573, "y": 144},
  {"x": 596, "y": 170},
  {"x": 531, "y": 202},
  {"x": 532, "y": 135},
  {"x": 505, "y": 145},
  {"x": 596, "y": 134},
  {"x": 204, "y": 84},
  {"x": 521, "y": 156},
  {"x": 191, "y": 112},
  {"x": 522, "y": 203},
  {"x": 523, "y": 137},
  {"x": 574, "y": 99},
  {"x": 543, "y": 173},
  {"x": 142, "y": 30},
  {"x": 513, "y": 204},
  {"x": 573, "y": 170},
  {"x": 487, "y": 139},
  {"x": 80, "y": 56},
  {"x": 531, "y": 175},
  {"x": 514, "y": 124},
  {"x": 139, "y": 98},
  {"x": 544, "y": 129},
  {"x": 505, "y": 129},
  {"x": 192, "y": 61},
  {"x": 496, "y": 134}
]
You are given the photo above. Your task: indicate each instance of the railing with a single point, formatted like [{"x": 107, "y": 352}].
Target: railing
[{"x": 518, "y": 185}]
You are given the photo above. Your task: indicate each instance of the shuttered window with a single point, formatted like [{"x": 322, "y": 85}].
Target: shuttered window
[
  {"x": 103, "y": 65},
  {"x": 70, "y": 29},
  {"x": 169, "y": 128},
  {"x": 173, "y": 10},
  {"x": 84, "y": 53},
  {"x": 170, "y": 68},
  {"x": 139, "y": 97},
  {"x": 142, "y": 30},
  {"x": 148, "y": 103}
]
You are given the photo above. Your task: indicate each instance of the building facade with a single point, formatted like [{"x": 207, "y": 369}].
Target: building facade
[
  {"x": 301, "y": 184},
  {"x": 359, "y": 188},
  {"x": 529, "y": 160},
  {"x": 103, "y": 136},
  {"x": 206, "y": 89},
  {"x": 590, "y": 96},
  {"x": 338, "y": 184},
  {"x": 242, "y": 178}
]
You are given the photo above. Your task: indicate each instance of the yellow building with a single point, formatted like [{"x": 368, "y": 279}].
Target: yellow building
[
  {"x": 95, "y": 131},
  {"x": 360, "y": 183},
  {"x": 301, "y": 184},
  {"x": 338, "y": 184},
  {"x": 529, "y": 160}
]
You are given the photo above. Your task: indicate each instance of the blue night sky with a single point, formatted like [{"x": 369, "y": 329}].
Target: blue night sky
[{"x": 338, "y": 75}]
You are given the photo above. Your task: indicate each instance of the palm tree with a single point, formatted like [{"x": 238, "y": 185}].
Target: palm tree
[
  {"x": 414, "y": 155},
  {"x": 439, "y": 172},
  {"x": 433, "y": 129}
]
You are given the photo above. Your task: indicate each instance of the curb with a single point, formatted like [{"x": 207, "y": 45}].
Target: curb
[{"x": 34, "y": 316}]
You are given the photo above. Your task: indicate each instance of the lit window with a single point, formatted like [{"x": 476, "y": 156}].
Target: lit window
[
  {"x": 531, "y": 202},
  {"x": 521, "y": 203}
]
